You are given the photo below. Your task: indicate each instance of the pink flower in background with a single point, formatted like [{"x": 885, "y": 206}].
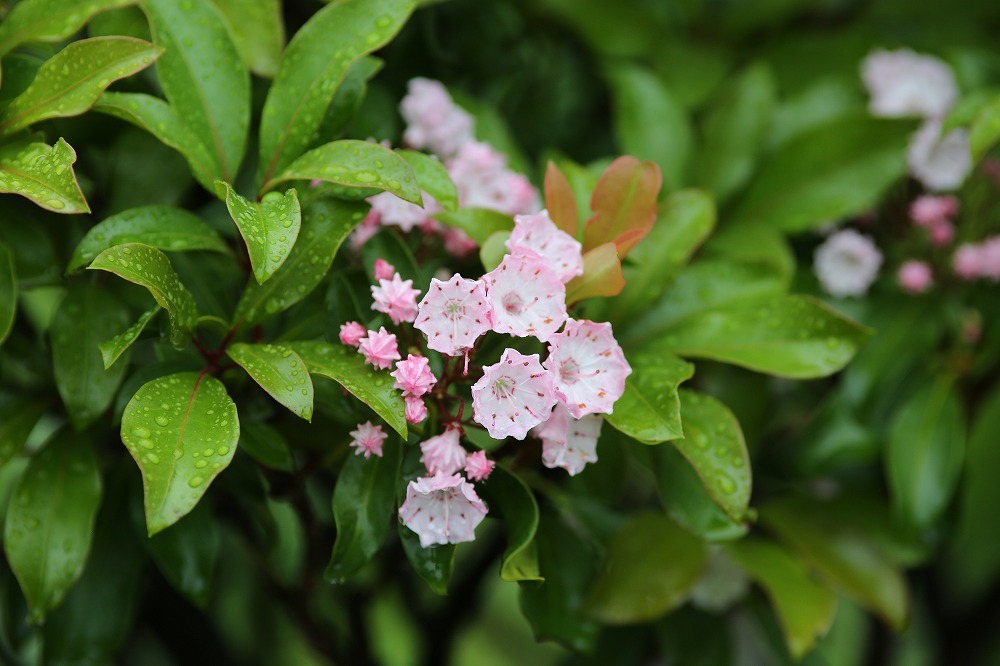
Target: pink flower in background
[
  {"x": 990, "y": 255},
  {"x": 433, "y": 121},
  {"x": 457, "y": 243},
  {"x": 396, "y": 298},
  {"x": 367, "y": 440},
  {"x": 567, "y": 442},
  {"x": 915, "y": 277},
  {"x": 478, "y": 467},
  {"x": 942, "y": 234},
  {"x": 929, "y": 210},
  {"x": 538, "y": 234},
  {"x": 903, "y": 83},
  {"x": 442, "y": 509},
  {"x": 443, "y": 453},
  {"x": 588, "y": 367},
  {"x": 847, "y": 263},
  {"x": 513, "y": 395},
  {"x": 941, "y": 163},
  {"x": 379, "y": 348},
  {"x": 364, "y": 231},
  {"x": 968, "y": 262},
  {"x": 483, "y": 181},
  {"x": 413, "y": 376},
  {"x": 351, "y": 333},
  {"x": 390, "y": 210},
  {"x": 453, "y": 314},
  {"x": 415, "y": 410},
  {"x": 383, "y": 270},
  {"x": 527, "y": 297}
]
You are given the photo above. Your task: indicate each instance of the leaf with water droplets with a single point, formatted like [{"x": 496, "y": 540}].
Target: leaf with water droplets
[
  {"x": 111, "y": 350},
  {"x": 280, "y": 372},
  {"x": 433, "y": 178},
  {"x": 8, "y": 291},
  {"x": 186, "y": 554},
  {"x": 312, "y": 68},
  {"x": 269, "y": 228},
  {"x": 50, "y": 20},
  {"x": 649, "y": 410},
  {"x": 325, "y": 225},
  {"x": 510, "y": 498},
  {"x": 258, "y": 31},
  {"x": 50, "y": 521},
  {"x": 17, "y": 419},
  {"x": 362, "y": 165},
  {"x": 43, "y": 174},
  {"x": 346, "y": 367},
  {"x": 163, "y": 227},
  {"x": 148, "y": 267},
  {"x": 71, "y": 81},
  {"x": 182, "y": 430}
]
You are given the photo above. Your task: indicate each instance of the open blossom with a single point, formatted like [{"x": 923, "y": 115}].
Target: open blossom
[
  {"x": 915, "y": 276},
  {"x": 390, "y": 210},
  {"x": 453, "y": 314},
  {"x": 903, "y": 83},
  {"x": 367, "y": 439},
  {"x": 396, "y": 298},
  {"x": 567, "y": 442},
  {"x": 941, "y": 163},
  {"x": 588, "y": 367},
  {"x": 433, "y": 120},
  {"x": 413, "y": 376},
  {"x": 379, "y": 348},
  {"x": 929, "y": 210},
  {"x": 478, "y": 467},
  {"x": 442, "y": 509},
  {"x": 351, "y": 333},
  {"x": 539, "y": 234},
  {"x": 513, "y": 395},
  {"x": 483, "y": 180},
  {"x": 847, "y": 263},
  {"x": 415, "y": 410},
  {"x": 443, "y": 453},
  {"x": 527, "y": 297}
]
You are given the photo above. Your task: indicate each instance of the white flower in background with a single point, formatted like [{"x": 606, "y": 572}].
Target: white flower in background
[
  {"x": 940, "y": 163},
  {"x": 904, "y": 83},
  {"x": 847, "y": 263}
]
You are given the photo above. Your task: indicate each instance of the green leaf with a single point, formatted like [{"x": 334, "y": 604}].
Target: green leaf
[
  {"x": 433, "y": 564},
  {"x": 364, "y": 504},
  {"x": 182, "y": 430},
  {"x": 834, "y": 172},
  {"x": 267, "y": 446},
  {"x": 346, "y": 367},
  {"x": 269, "y": 228},
  {"x": 50, "y": 521},
  {"x": 925, "y": 451},
  {"x": 325, "y": 225},
  {"x": 805, "y": 608},
  {"x": 493, "y": 249},
  {"x": 478, "y": 223},
  {"x": 509, "y": 498},
  {"x": 280, "y": 372},
  {"x": 17, "y": 419},
  {"x": 433, "y": 178},
  {"x": 70, "y": 82},
  {"x": 258, "y": 31},
  {"x": 186, "y": 554},
  {"x": 790, "y": 336},
  {"x": 984, "y": 133},
  {"x": 49, "y": 20},
  {"x": 8, "y": 291},
  {"x": 649, "y": 410},
  {"x": 204, "y": 79},
  {"x": 111, "y": 350},
  {"x": 148, "y": 267},
  {"x": 43, "y": 174},
  {"x": 354, "y": 164},
  {"x": 312, "y": 69},
  {"x": 347, "y": 101},
  {"x": 87, "y": 316},
  {"x": 713, "y": 444},
  {"x": 650, "y": 569},
  {"x": 649, "y": 123},
  {"x": 163, "y": 227}
]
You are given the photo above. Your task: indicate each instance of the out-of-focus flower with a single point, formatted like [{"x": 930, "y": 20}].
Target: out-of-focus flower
[
  {"x": 940, "y": 163},
  {"x": 903, "y": 83},
  {"x": 915, "y": 276},
  {"x": 847, "y": 263},
  {"x": 929, "y": 210},
  {"x": 478, "y": 467},
  {"x": 484, "y": 181},
  {"x": 433, "y": 121}
]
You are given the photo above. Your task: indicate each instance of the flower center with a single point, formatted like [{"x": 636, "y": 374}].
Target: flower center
[
  {"x": 454, "y": 309},
  {"x": 513, "y": 303},
  {"x": 503, "y": 387},
  {"x": 569, "y": 371}
]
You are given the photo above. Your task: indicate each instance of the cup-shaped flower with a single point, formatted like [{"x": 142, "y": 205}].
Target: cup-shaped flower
[
  {"x": 527, "y": 297},
  {"x": 588, "y": 366},
  {"x": 539, "y": 234},
  {"x": 442, "y": 509},
  {"x": 453, "y": 314},
  {"x": 567, "y": 442},
  {"x": 513, "y": 395},
  {"x": 443, "y": 454}
]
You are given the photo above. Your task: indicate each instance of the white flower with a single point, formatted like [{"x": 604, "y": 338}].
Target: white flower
[
  {"x": 903, "y": 83},
  {"x": 940, "y": 163},
  {"x": 847, "y": 263}
]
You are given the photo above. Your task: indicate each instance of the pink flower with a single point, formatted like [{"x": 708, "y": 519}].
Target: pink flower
[
  {"x": 379, "y": 348},
  {"x": 396, "y": 298},
  {"x": 904, "y": 83},
  {"x": 415, "y": 411},
  {"x": 847, "y": 263},
  {"x": 413, "y": 376},
  {"x": 442, "y": 509},
  {"x": 383, "y": 270},
  {"x": 968, "y": 262},
  {"x": 453, "y": 314},
  {"x": 513, "y": 395},
  {"x": 928, "y": 210},
  {"x": 567, "y": 442},
  {"x": 538, "y": 234},
  {"x": 351, "y": 333},
  {"x": 365, "y": 230},
  {"x": 443, "y": 453},
  {"x": 588, "y": 366},
  {"x": 915, "y": 276},
  {"x": 433, "y": 121},
  {"x": 942, "y": 234},
  {"x": 390, "y": 210},
  {"x": 478, "y": 467},
  {"x": 457, "y": 243},
  {"x": 367, "y": 439},
  {"x": 941, "y": 163},
  {"x": 527, "y": 297},
  {"x": 483, "y": 180},
  {"x": 990, "y": 254}
]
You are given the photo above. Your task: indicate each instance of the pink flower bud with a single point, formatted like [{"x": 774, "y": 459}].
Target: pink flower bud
[
  {"x": 915, "y": 277},
  {"x": 351, "y": 333},
  {"x": 383, "y": 269}
]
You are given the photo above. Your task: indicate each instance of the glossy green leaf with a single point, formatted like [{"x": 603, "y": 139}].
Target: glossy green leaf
[
  {"x": 269, "y": 227},
  {"x": 8, "y": 291},
  {"x": 71, "y": 81},
  {"x": 182, "y": 430},
  {"x": 49, "y": 20},
  {"x": 17, "y": 419},
  {"x": 267, "y": 446},
  {"x": 364, "y": 505},
  {"x": 312, "y": 68},
  {"x": 148, "y": 267},
  {"x": 50, "y": 521},
  {"x": 280, "y": 372},
  {"x": 805, "y": 608},
  {"x": 844, "y": 557},
  {"x": 925, "y": 451},
  {"x": 602, "y": 275},
  {"x": 203, "y": 78},
  {"x": 112, "y": 350},
  {"x": 493, "y": 249},
  {"x": 510, "y": 499},
  {"x": 790, "y": 336},
  {"x": 984, "y": 133},
  {"x": 623, "y": 205},
  {"x": 346, "y": 367},
  {"x": 348, "y": 99},
  {"x": 87, "y": 316},
  {"x": 433, "y": 178},
  {"x": 649, "y": 410},
  {"x": 354, "y": 164},
  {"x": 43, "y": 174},
  {"x": 650, "y": 569},
  {"x": 258, "y": 31},
  {"x": 163, "y": 227},
  {"x": 478, "y": 223},
  {"x": 186, "y": 554},
  {"x": 433, "y": 564},
  {"x": 325, "y": 225}
]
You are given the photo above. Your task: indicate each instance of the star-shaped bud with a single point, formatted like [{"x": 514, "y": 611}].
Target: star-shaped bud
[
  {"x": 588, "y": 367},
  {"x": 415, "y": 411},
  {"x": 367, "y": 440},
  {"x": 383, "y": 270},
  {"x": 442, "y": 509},
  {"x": 413, "y": 376},
  {"x": 453, "y": 314},
  {"x": 478, "y": 467},
  {"x": 443, "y": 453},
  {"x": 538, "y": 234},
  {"x": 527, "y": 297},
  {"x": 396, "y": 298},
  {"x": 351, "y": 333},
  {"x": 567, "y": 442},
  {"x": 513, "y": 395},
  {"x": 379, "y": 348}
]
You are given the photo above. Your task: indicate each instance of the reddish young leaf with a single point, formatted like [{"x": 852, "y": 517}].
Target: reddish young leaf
[
  {"x": 602, "y": 275},
  {"x": 624, "y": 204},
  {"x": 559, "y": 200}
]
